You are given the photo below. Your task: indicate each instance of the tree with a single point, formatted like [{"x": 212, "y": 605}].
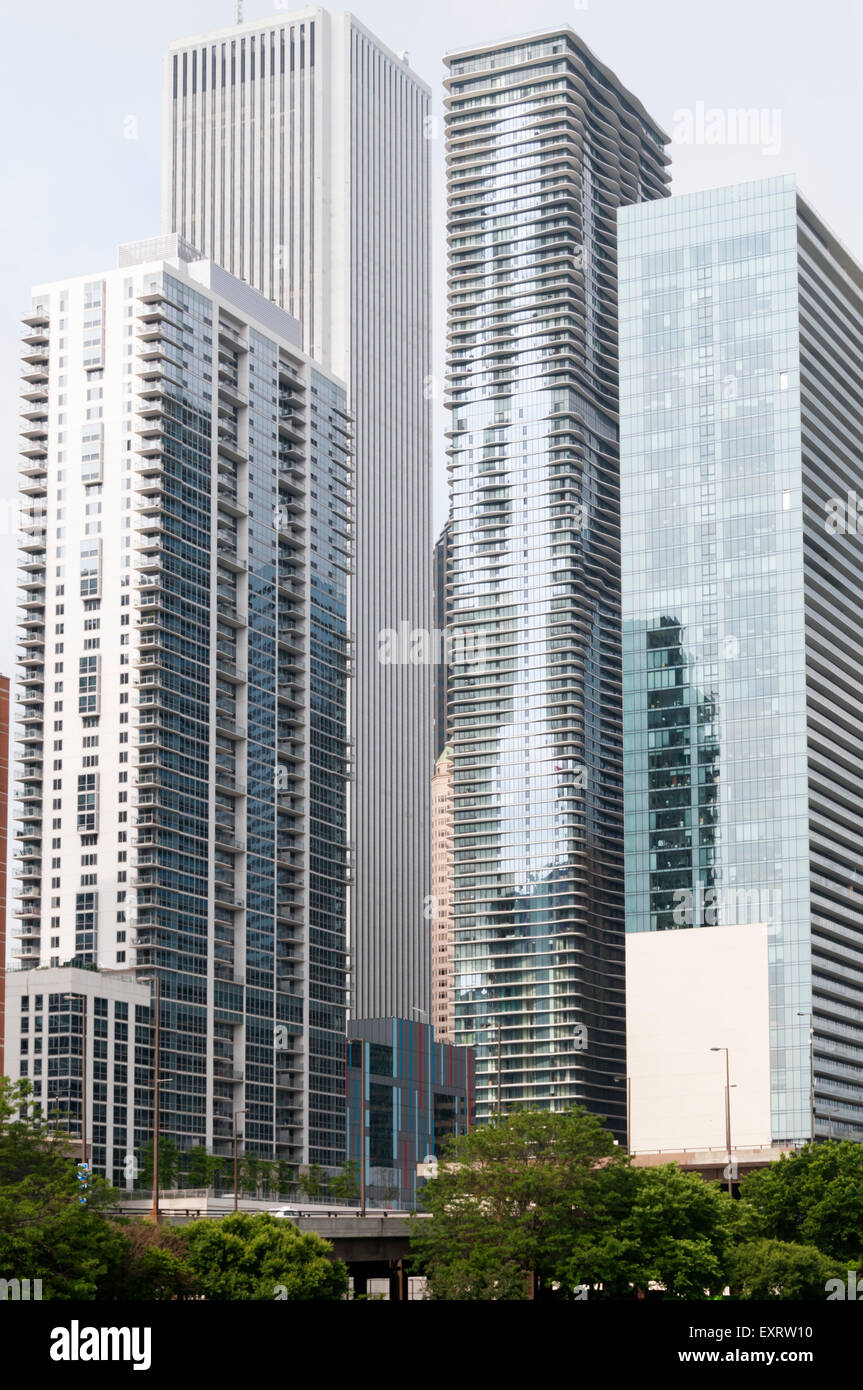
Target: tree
[
  {"x": 169, "y": 1163},
  {"x": 311, "y": 1183},
  {"x": 778, "y": 1269},
  {"x": 814, "y": 1196},
  {"x": 512, "y": 1205},
  {"x": 251, "y": 1170},
  {"x": 346, "y": 1183},
  {"x": 46, "y": 1231},
  {"x": 255, "y": 1257},
  {"x": 152, "y": 1265},
  {"x": 286, "y": 1176},
  {"x": 201, "y": 1167},
  {"x": 660, "y": 1226}
]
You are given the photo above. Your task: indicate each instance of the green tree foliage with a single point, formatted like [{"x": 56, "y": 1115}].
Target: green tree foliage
[
  {"x": 151, "y": 1264},
  {"x": 46, "y": 1232},
  {"x": 778, "y": 1269},
  {"x": 250, "y": 1257},
  {"x": 514, "y": 1205},
  {"x": 658, "y": 1226},
  {"x": 202, "y": 1168},
  {"x": 169, "y": 1163},
  {"x": 285, "y": 1176},
  {"x": 312, "y": 1183},
  {"x": 345, "y": 1185},
  {"x": 814, "y": 1196}
]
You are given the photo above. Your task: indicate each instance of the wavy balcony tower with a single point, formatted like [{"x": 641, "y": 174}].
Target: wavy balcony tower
[{"x": 543, "y": 145}]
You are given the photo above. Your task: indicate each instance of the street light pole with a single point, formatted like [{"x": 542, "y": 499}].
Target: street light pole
[
  {"x": 727, "y": 1115},
  {"x": 157, "y": 1021},
  {"x": 236, "y": 1174},
  {"x": 84, "y": 1146},
  {"x": 629, "y": 1114}
]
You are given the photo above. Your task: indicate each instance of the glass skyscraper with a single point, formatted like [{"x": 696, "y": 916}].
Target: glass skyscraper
[
  {"x": 543, "y": 144},
  {"x": 184, "y": 695},
  {"x": 741, "y": 346}
]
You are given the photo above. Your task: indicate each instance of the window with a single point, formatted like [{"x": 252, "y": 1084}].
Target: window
[
  {"x": 85, "y": 926},
  {"x": 91, "y": 454},
  {"x": 91, "y": 567},
  {"x": 87, "y": 801},
  {"x": 88, "y": 684}
]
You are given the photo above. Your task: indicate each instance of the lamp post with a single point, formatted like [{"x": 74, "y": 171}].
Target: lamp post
[
  {"x": 727, "y": 1115},
  {"x": 84, "y": 1146},
  {"x": 157, "y": 1026},
  {"x": 236, "y": 1113},
  {"x": 807, "y": 1013}
]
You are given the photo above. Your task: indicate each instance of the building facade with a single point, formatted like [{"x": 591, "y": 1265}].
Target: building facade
[
  {"x": 442, "y": 914},
  {"x": 543, "y": 144},
  {"x": 741, "y": 331},
  {"x": 418, "y": 1093},
  {"x": 5, "y": 750},
  {"x": 184, "y": 802},
  {"x": 71, "y": 1029},
  {"x": 296, "y": 156},
  {"x": 442, "y": 553}
]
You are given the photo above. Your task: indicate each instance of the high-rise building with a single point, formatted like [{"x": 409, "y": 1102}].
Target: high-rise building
[
  {"x": 184, "y": 801},
  {"x": 543, "y": 145},
  {"x": 419, "y": 1093},
  {"x": 297, "y": 156},
  {"x": 442, "y": 914},
  {"x": 741, "y": 352},
  {"x": 4, "y": 846},
  {"x": 78, "y": 1036},
  {"x": 441, "y": 617}
]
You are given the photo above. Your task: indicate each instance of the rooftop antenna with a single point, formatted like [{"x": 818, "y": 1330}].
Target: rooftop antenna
[{"x": 239, "y": 11}]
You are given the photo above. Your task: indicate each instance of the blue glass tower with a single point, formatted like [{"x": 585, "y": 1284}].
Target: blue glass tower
[{"x": 741, "y": 328}]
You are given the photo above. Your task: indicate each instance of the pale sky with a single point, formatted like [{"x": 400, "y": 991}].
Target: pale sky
[{"x": 72, "y": 74}]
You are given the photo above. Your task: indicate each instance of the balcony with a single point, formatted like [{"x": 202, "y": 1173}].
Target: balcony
[
  {"x": 36, "y": 372},
  {"x": 226, "y": 1071},
  {"x": 223, "y": 971},
  {"x": 227, "y": 667},
  {"x": 229, "y": 387},
  {"x": 292, "y": 639},
  {"x": 237, "y": 617},
  {"x": 230, "y": 448},
  {"x": 36, "y": 356},
  {"x": 32, "y": 538},
  {"x": 292, "y": 695},
  {"x": 232, "y": 338},
  {"x": 227, "y": 782},
  {"x": 230, "y": 503},
  {"x": 226, "y": 838},
  {"x": 226, "y": 895},
  {"x": 226, "y": 723}
]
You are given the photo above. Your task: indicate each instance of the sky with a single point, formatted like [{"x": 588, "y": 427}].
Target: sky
[{"x": 81, "y": 84}]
